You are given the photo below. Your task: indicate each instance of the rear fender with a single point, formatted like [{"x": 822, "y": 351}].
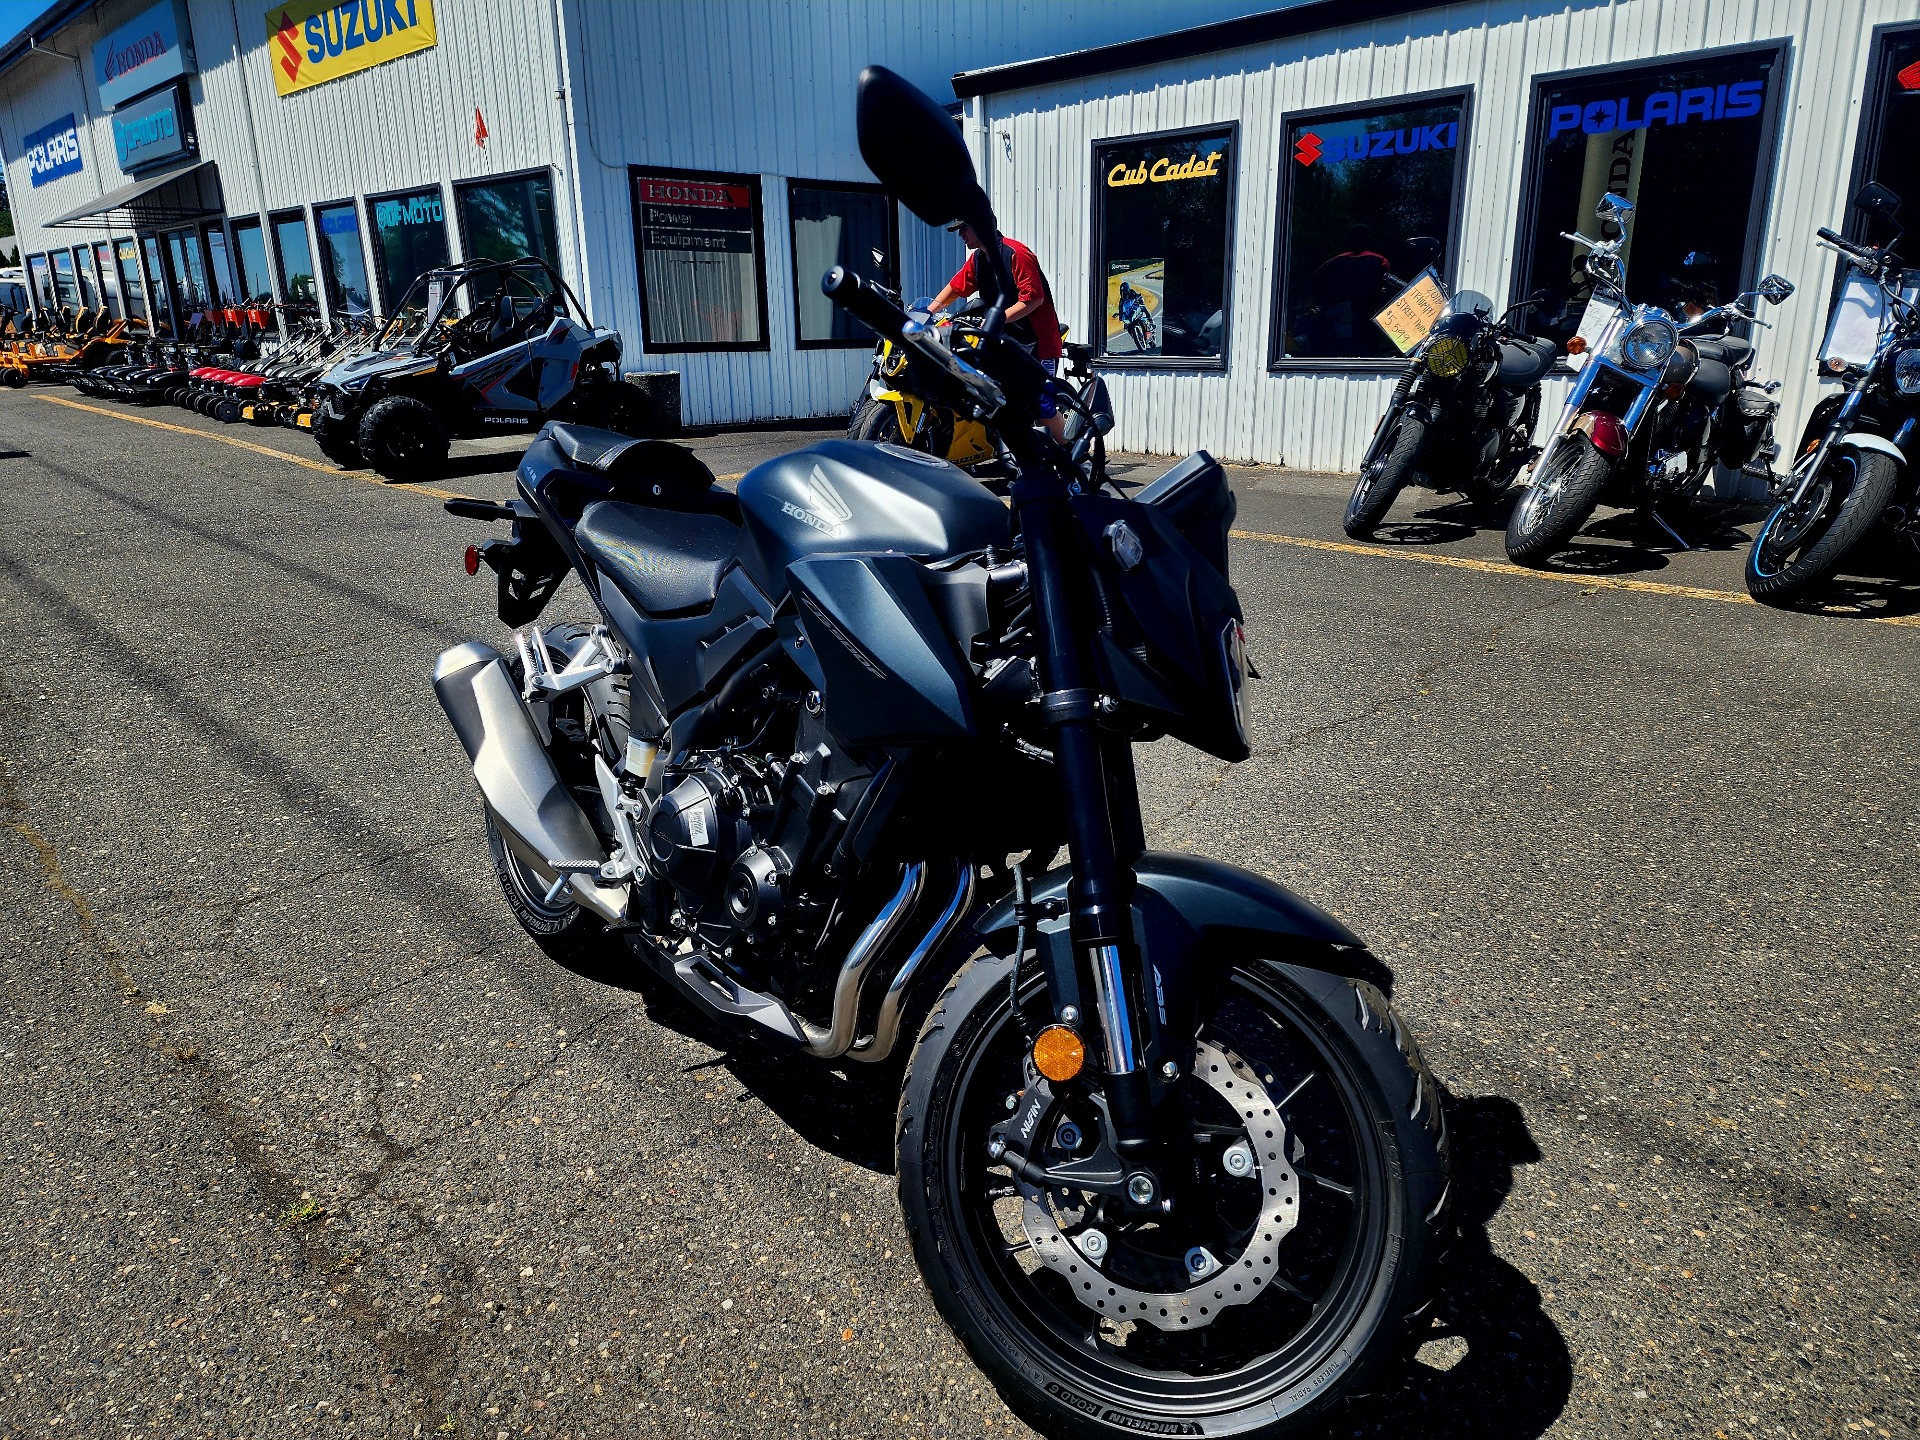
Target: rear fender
[{"x": 1192, "y": 918}]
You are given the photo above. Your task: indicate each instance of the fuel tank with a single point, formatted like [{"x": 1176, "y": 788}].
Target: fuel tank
[{"x": 853, "y": 496}]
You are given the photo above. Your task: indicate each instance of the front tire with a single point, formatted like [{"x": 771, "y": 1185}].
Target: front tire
[
  {"x": 1799, "y": 548},
  {"x": 1558, "y": 501},
  {"x": 1381, "y": 483},
  {"x": 337, "y": 439},
  {"x": 876, "y": 420},
  {"x": 403, "y": 439},
  {"x": 1367, "y": 1226}
]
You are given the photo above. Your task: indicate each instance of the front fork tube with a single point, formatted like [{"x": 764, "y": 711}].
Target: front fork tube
[
  {"x": 1098, "y": 829},
  {"x": 1841, "y": 420}
]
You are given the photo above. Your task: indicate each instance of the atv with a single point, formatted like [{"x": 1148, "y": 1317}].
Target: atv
[{"x": 478, "y": 348}]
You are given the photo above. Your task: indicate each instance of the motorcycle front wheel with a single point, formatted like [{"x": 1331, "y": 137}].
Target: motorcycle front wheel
[
  {"x": 1801, "y": 545},
  {"x": 1286, "y": 1275},
  {"x": 1381, "y": 482},
  {"x": 1558, "y": 502}
]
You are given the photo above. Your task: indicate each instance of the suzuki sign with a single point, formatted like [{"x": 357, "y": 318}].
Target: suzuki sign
[{"x": 310, "y": 42}]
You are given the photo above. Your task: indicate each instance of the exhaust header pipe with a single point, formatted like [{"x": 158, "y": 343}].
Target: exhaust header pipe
[{"x": 537, "y": 815}]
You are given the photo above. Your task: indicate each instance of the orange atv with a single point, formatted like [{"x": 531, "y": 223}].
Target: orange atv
[{"x": 95, "y": 339}]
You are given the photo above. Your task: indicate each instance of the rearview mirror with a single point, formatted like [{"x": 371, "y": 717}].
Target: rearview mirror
[
  {"x": 914, "y": 148},
  {"x": 1424, "y": 249},
  {"x": 1614, "y": 207},
  {"x": 1775, "y": 288},
  {"x": 1877, "y": 199}
]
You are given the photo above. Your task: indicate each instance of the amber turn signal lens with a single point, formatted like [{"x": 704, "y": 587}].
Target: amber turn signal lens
[
  {"x": 1577, "y": 345},
  {"x": 1059, "y": 1054},
  {"x": 473, "y": 559}
]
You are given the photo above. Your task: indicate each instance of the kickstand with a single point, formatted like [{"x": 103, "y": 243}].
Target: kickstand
[{"x": 1661, "y": 522}]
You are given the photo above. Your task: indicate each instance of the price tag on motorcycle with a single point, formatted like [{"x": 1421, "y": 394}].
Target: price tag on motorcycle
[
  {"x": 1593, "y": 325},
  {"x": 1412, "y": 312}
]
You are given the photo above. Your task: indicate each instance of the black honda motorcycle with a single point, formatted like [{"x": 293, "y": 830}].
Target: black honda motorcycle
[
  {"x": 1170, "y": 1163},
  {"x": 1461, "y": 418},
  {"x": 1856, "y": 460}
]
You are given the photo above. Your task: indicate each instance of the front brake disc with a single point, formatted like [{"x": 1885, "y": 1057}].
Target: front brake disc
[{"x": 1231, "y": 1279}]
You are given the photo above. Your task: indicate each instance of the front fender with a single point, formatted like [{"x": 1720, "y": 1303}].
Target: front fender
[
  {"x": 1866, "y": 440},
  {"x": 1187, "y": 906}
]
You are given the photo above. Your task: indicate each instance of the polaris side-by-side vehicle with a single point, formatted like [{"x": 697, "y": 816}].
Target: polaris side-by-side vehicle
[{"x": 478, "y": 348}]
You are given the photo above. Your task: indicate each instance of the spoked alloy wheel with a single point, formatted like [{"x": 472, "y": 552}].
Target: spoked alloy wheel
[
  {"x": 1553, "y": 508},
  {"x": 1802, "y": 544},
  {"x": 1381, "y": 482},
  {"x": 1301, "y": 1238}
]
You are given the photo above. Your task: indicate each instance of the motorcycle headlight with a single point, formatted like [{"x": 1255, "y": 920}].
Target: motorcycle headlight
[
  {"x": 1447, "y": 356},
  {"x": 1906, "y": 370},
  {"x": 1648, "y": 343}
]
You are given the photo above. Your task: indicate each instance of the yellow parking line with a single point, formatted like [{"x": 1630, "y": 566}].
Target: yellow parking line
[
  {"x": 1496, "y": 567},
  {"x": 266, "y": 450}
]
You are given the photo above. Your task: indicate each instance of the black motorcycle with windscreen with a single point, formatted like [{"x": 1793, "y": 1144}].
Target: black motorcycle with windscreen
[{"x": 846, "y": 757}]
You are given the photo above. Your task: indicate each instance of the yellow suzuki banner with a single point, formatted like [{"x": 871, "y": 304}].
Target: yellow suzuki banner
[{"x": 313, "y": 41}]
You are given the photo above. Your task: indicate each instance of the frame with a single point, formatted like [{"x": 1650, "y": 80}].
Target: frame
[
  {"x": 1278, "y": 363},
  {"x": 1096, "y": 268},
  {"x": 852, "y": 187},
  {"x": 648, "y": 344},
  {"x": 1526, "y": 234},
  {"x": 378, "y": 274}
]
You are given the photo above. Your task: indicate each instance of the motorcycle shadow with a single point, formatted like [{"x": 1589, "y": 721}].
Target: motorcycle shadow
[
  {"x": 1494, "y": 1366},
  {"x": 1442, "y": 523}
]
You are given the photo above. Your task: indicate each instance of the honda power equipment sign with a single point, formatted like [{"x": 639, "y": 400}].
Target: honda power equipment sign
[
  {"x": 313, "y": 41},
  {"x": 146, "y": 52},
  {"x": 52, "y": 151}
]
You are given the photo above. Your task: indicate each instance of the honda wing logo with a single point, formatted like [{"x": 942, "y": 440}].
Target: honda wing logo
[
  {"x": 825, "y": 511},
  {"x": 1307, "y": 148}
]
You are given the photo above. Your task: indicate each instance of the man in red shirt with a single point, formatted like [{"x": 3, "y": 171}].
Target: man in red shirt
[{"x": 1031, "y": 321}]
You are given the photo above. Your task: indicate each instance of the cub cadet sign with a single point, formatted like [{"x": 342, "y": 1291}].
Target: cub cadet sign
[
  {"x": 313, "y": 41},
  {"x": 1163, "y": 170}
]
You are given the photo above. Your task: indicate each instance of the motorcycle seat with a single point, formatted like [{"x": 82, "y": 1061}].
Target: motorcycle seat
[
  {"x": 668, "y": 562},
  {"x": 1712, "y": 381},
  {"x": 1524, "y": 362},
  {"x": 1727, "y": 349}
]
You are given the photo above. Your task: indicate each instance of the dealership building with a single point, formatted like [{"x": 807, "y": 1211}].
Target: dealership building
[{"x": 1260, "y": 180}]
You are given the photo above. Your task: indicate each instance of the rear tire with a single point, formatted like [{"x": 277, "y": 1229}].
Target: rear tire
[
  {"x": 1558, "y": 502},
  {"x": 1374, "y": 492},
  {"x": 568, "y": 932},
  {"x": 1020, "y": 1327},
  {"x": 337, "y": 440},
  {"x": 403, "y": 439},
  {"x": 618, "y": 407},
  {"x": 1854, "y": 487}
]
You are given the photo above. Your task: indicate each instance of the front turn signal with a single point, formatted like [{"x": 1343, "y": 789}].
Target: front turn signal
[
  {"x": 473, "y": 559},
  {"x": 1059, "y": 1054},
  {"x": 1577, "y": 345}
]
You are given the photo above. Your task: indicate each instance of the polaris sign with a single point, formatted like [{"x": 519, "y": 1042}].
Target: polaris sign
[
  {"x": 146, "y": 52},
  {"x": 1663, "y": 107},
  {"x": 52, "y": 151}
]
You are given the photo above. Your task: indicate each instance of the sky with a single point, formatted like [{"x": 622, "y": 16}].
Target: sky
[{"x": 15, "y": 15}]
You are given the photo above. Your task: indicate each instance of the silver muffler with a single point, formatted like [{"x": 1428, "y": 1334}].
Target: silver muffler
[{"x": 537, "y": 815}]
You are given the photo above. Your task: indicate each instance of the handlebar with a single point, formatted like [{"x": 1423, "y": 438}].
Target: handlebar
[
  {"x": 866, "y": 304},
  {"x": 1840, "y": 242}
]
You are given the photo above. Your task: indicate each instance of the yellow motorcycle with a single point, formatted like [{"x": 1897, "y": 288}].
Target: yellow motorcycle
[{"x": 892, "y": 410}]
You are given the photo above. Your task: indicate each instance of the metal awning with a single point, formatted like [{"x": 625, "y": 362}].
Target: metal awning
[{"x": 177, "y": 196}]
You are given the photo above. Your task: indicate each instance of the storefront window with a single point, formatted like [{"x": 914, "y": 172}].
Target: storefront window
[
  {"x": 250, "y": 259},
  {"x": 127, "y": 259},
  {"x": 189, "y": 272},
  {"x": 224, "y": 290},
  {"x": 343, "y": 262},
  {"x": 1368, "y": 199},
  {"x": 702, "y": 267},
  {"x": 109, "y": 281},
  {"x": 42, "y": 277},
  {"x": 505, "y": 219},
  {"x": 1887, "y": 124},
  {"x": 66, "y": 291},
  {"x": 835, "y": 225},
  {"x": 162, "y": 290},
  {"x": 1689, "y": 141},
  {"x": 1163, "y": 246},
  {"x": 410, "y": 238},
  {"x": 290, "y": 243},
  {"x": 83, "y": 272}
]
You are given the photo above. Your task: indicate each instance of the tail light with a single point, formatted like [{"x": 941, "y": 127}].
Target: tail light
[{"x": 473, "y": 559}]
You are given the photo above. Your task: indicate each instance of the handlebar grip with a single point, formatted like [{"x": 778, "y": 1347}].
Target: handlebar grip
[
  {"x": 863, "y": 302},
  {"x": 1840, "y": 242}
]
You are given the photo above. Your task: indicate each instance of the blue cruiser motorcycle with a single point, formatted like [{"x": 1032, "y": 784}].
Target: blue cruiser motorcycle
[{"x": 1656, "y": 405}]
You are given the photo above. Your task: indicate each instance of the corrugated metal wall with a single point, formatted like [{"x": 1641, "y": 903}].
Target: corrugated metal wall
[
  {"x": 762, "y": 88},
  {"x": 1041, "y": 152}
]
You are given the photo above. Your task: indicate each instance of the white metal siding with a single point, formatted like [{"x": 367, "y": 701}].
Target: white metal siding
[{"x": 1041, "y": 140}]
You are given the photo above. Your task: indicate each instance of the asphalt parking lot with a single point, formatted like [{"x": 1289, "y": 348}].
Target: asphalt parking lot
[{"x": 302, "y": 1136}]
